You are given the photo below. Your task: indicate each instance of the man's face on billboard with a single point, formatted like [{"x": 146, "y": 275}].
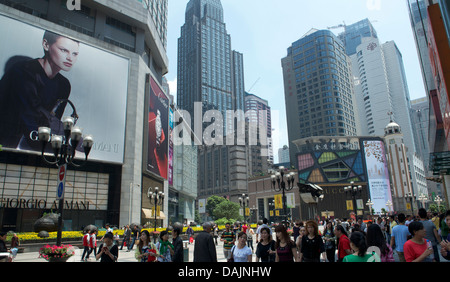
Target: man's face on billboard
[{"x": 63, "y": 53}]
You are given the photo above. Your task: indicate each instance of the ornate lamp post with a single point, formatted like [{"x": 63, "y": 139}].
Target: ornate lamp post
[
  {"x": 438, "y": 200},
  {"x": 389, "y": 205},
  {"x": 353, "y": 190},
  {"x": 370, "y": 204},
  {"x": 64, "y": 149},
  {"x": 412, "y": 199},
  {"x": 423, "y": 199},
  {"x": 279, "y": 184},
  {"x": 156, "y": 198},
  {"x": 244, "y": 202}
]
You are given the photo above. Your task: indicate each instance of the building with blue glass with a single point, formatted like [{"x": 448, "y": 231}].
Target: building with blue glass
[{"x": 318, "y": 87}]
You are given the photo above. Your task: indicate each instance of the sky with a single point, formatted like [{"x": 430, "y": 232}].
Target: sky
[{"x": 263, "y": 30}]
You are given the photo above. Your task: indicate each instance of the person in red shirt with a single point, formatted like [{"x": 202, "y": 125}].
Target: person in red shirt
[
  {"x": 416, "y": 249},
  {"x": 344, "y": 248},
  {"x": 86, "y": 238}
]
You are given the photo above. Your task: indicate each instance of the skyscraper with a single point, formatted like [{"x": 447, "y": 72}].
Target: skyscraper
[
  {"x": 318, "y": 88},
  {"x": 381, "y": 91},
  {"x": 211, "y": 73}
]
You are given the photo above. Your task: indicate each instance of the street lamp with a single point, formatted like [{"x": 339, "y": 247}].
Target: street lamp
[
  {"x": 279, "y": 184},
  {"x": 244, "y": 202},
  {"x": 64, "y": 149},
  {"x": 389, "y": 205},
  {"x": 353, "y": 190},
  {"x": 438, "y": 200},
  {"x": 157, "y": 199},
  {"x": 423, "y": 199},
  {"x": 370, "y": 204},
  {"x": 412, "y": 198}
]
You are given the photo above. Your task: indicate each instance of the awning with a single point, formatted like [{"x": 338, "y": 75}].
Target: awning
[{"x": 149, "y": 214}]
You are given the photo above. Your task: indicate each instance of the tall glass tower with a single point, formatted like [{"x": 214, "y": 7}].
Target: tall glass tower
[
  {"x": 206, "y": 63},
  {"x": 211, "y": 73}
]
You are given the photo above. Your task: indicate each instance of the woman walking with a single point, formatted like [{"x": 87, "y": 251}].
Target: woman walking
[
  {"x": 241, "y": 252},
  {"x": 375, "y": 238},
  {"x": 330, "y": 242},
  {"x": 265, "y": 250},
  {"x": 359, "y": 246},
  {"x": 312, "y": 243},
  {"x": 286, "y": 251},
  {"x": 416, "y": 249},
  {"x": 146, "y": 250},
  {"x": 164, "y": 247}
]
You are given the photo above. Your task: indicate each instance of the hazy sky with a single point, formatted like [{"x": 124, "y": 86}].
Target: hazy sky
[{"x": 263, "y": 30}]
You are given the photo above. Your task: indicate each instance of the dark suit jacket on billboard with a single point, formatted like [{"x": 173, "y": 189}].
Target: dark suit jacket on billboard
[{"x": 27, "y": 99}]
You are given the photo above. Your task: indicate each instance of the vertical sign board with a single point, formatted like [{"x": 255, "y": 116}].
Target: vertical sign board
[
  {"x": 378, "y": 173},
  {"x": 61, "y": 182}
]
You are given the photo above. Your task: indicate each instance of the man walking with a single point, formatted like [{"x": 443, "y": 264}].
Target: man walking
[
  {"x": 399, "y": 237},
  {"x": 204, "y": 248},
  {"x": 126, "y": 237},
  {"x": 431, "y": 232},
  {"x": 228, "y": 240}
]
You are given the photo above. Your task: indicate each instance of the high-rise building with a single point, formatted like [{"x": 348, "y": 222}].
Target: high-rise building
[
  {"x": 258, "y": 112},
  {"x": 318, "y": 88},
  {"x": 211, "y": 73},
  {"x": 354, "y": 33},
  {"x": 381, "y": 90},
  {"x": 119, "y": 68},
  {"x": 283, "y": 155},
  {"x": 430, "y": 26}
]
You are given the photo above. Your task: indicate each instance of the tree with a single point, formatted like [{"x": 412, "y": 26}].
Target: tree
[
  {"x": 212, "y": 203},
  {"x": 228, "y": 210}
]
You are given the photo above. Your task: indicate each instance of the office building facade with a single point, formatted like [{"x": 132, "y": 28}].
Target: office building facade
[
  {"x": 126, "y": 42},
  {"x": 318, "y": 88}
]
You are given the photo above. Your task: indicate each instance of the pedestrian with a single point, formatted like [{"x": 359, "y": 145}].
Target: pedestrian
[
  {"x": 312, "y": 243},
  {"x": 359, "y": 246},
  {"x": 375, "y": 238},
  {"x": 228, "y": 240},
  {"x": 165, "y": 248},
  {"x": 250, "y": 233},
  {"x": 431, "y": 232},
  {"x": 146, "y": 250},
  {"x": 264, "y": 224},
  {"x": 134, "y": 236},
  {"x": 15, "y": 243},
  {"x": 126, "y": 238},
  {"x": 85, "y": 245},
  {"x": 204, "y": 248},
  {"x": 216, "y": 233},
  {"x": 301, "y": 233},
  {"x": 399, "y": 236},
  {"x": 445, "y": 244},
  {"x": 417, "y": 249},
  {"x": 265, "y": 250},
  {"x": 3, "y": 248},
  {"x": 190, "y": 234},
  {"x": 286, "y": 250},
  {"x": 344, "y": 248},
  {"x": 177, "y": 242},
  {"x": 296, "y": 230},
  {"x": 330, "y": 242},
  {"x": 241, "y": 252},
  {"x": 108, "y": 251},
  {"x": 444, "y": 228},
  {"x": 92, "y": 243}
]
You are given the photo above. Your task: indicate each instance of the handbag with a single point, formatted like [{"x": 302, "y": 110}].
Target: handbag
[{"x": 231, "y": 259}]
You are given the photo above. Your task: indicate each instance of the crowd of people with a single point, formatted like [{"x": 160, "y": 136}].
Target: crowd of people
[{"x": 399, "y": 238}]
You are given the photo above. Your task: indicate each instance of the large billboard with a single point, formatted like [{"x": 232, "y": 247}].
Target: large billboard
[
  {"x": 378, "y": 174},
  {"x": 158, "y": 130},
  {"x": 45, "y": 76}
]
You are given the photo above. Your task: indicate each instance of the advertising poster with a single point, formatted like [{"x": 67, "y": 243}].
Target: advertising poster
[
  {"x": 378, "y": 174},
  {"x": 45, "y": 76},
  {"x": 158, "y": 131},
  {"x": 170, "y": 147}
]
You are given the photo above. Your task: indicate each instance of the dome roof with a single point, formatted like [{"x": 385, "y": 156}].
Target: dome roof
[{"x": 392, "y": 128}]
